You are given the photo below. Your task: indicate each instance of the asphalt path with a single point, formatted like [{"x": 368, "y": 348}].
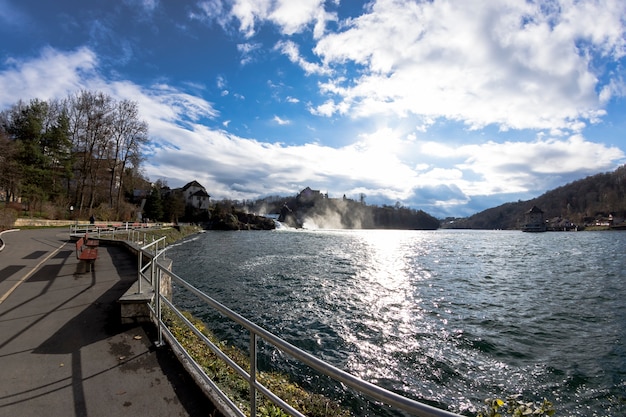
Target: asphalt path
[{"x": 63, "y": 349}]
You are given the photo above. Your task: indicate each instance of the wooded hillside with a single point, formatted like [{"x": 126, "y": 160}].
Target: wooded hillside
[{"x": 581, "y": 202}]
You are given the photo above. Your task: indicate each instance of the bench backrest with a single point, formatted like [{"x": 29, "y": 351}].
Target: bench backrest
[{"x": 79, "y": 243}]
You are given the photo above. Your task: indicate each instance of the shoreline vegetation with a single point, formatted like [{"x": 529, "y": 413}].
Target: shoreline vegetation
[{"x": 237, "y": 388}]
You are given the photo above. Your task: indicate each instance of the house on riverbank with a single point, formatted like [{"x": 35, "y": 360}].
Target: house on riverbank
[
  {"x": 534, "y": 220},
  {"x": 195, "y": 195}
]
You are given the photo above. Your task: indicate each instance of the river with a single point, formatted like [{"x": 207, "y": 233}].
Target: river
[{"x": 446, "y": 317}]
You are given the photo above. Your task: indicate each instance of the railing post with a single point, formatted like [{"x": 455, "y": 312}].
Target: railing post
[
  {"x": 157, "y": 290},
  {"x": 152, "y": 271},
  {"x": 253, "y": 369},
  {"x": 139, "y": 269}
]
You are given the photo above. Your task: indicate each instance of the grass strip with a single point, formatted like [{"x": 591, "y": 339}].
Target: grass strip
[{"x": 237, "y": 388}]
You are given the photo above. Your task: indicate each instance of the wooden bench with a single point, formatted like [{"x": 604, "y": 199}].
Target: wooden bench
[
  {"x": 92, "y": 243},
  {"x": 86, "y": 254}
]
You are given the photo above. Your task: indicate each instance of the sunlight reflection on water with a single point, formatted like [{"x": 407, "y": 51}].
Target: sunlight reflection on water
[{"x": 450, "y": 317}]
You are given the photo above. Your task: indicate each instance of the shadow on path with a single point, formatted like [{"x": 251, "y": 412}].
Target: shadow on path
[{"x": 101, "y": 322}]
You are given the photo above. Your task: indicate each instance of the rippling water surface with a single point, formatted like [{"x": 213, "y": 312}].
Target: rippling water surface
[{"x": 447, "y": 317}]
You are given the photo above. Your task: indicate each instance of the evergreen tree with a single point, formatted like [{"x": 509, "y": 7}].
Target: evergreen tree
[{"x": 153, "y": 209}]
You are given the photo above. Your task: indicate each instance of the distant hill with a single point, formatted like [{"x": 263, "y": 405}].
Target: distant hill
[{"x": 584, "y": 202}]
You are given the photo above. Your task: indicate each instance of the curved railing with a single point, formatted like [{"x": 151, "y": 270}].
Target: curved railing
[
  {"x": 155, "y": 273},
  {"x": 127, "y": 231}
]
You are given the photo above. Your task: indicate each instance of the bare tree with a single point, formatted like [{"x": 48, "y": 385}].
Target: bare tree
[
  {"x": 128, "y": 135},
  {"x": 90, "y": 119}
]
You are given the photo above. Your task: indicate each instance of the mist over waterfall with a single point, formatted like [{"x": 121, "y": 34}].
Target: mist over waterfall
[
  {"x": 313, "y": 210},
  {"x": 338, "y": 214}
]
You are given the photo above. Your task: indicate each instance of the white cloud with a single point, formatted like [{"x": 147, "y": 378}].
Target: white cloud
[
  {"x": 329, "y": 108},
  {"x": 222, "y": 85},
  {"x": 56, "y": 74},
  {"x": 247, "y": 51},
  {"x": 509, "y": 63},
  {"x": 211, "y": 11},
  {"x": 247, "y": 11},
  {"x": 183, "y": 106},
  {"x": 52, "y": 74},
  {"x": 280, "y": 121},
  {"x": 290, "y": 16},
  {"x": 520, "y": 167},
  {"x": 512, "y": 64},
  {"x": 290, "y": 49},
  {"x": 550, "y": 156},
  {"x": 293, "y": 16}
]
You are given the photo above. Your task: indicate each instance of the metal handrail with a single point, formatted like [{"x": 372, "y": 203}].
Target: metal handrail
[
  {"x": 110, "y": 228},
  {"x": 150, "y": 264},
  {"x": 377, "y": 393},
  {"x": 190, "y": 360}
]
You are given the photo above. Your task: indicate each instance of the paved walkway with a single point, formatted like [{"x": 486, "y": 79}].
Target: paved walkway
[{"x": 63, "y": 351}]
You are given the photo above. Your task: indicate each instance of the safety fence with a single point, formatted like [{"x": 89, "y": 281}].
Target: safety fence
[
  {"x": 153, "y": 271},
  {"x": 112, "y": 230}
]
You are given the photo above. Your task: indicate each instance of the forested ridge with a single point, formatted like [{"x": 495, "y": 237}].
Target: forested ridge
[{"x": 583, "y": 202}]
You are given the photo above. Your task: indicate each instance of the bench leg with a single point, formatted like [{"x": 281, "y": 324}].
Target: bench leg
[{"x": 89, "y": 264}]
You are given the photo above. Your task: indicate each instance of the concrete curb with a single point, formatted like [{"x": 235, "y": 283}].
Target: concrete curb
[
  {"x": 2, "y": 241},
  {"x": 174, "y": 346},
  {"x": 196, "y": 375}
]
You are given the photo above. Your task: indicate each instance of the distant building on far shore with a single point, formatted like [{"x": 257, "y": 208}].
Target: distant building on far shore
[{"x": 534, "y": 221}]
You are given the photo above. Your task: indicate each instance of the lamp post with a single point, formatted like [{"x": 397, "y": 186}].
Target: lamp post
[{"x": 72, "y": 214}]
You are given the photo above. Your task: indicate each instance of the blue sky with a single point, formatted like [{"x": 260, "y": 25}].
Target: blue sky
[{"x": 447, "y": 106}]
